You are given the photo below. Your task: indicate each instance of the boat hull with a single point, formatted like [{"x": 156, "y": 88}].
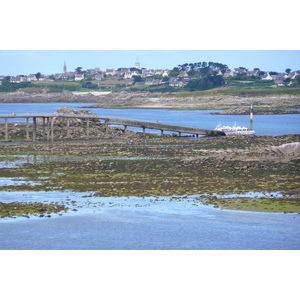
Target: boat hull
[{"x": 248, "y": 132}]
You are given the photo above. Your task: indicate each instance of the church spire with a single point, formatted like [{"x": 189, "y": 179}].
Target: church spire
[
  {"x": 65, "y": 67},
  {"x": 137, "y": 64}
]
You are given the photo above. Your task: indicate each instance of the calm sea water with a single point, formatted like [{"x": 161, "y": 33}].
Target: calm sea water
[
  {"x": 144, "y": 224},
  {"x": 263, "y": 124},
  {"x": 133, "y": 223}
]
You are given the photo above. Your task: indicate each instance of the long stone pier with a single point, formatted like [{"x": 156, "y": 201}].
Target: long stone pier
[
  {"x": 163, "y": 127},
  {"x": 48, "y": 125}
]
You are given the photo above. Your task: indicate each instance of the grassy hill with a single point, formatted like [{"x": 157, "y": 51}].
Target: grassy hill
[{"x": 245, "y": 88}]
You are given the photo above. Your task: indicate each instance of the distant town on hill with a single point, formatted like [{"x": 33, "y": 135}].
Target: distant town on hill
[{"x": 190, "y": 76}]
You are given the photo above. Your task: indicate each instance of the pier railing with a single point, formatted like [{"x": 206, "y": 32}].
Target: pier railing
[{"x": 48, "y": 124}]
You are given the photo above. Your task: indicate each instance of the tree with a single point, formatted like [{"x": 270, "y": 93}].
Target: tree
[
  {"x": 243, "y": 69},
  {"x": 174, "y": 72},
  {"x": 78, "y": 70},
  {"x": 288, "y": 71},
  {"x": 38, "y": 75},
  {"x": 205, "y": 83},
  {"x": 287, "y": 80},
  {"x": 137, "y": 78},
  {"x": 223, "y": 68}
]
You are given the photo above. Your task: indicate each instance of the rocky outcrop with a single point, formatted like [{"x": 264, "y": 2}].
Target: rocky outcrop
[
  {"x": 43, "y": 97},
  {"x": 124, "y": 99},
  {"x": 259, "y": 111}
]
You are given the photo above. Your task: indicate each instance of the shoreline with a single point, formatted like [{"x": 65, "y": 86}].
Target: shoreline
[{"x": 123, "y": 100}]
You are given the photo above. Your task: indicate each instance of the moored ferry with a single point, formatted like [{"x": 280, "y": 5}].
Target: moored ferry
[{"x": 235, "y": 130}]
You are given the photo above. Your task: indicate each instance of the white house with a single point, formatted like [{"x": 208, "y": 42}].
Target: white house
[
  {"x": 16, "y": 79},
  {"x": 292, "y": 75},
  {"x": 130, "y": 74},
  {"x": 111, "y": 72},
  {"x": 79, "y": 77},
  {"x": 31, "y": 77},
  {"x": 266, "y": 76},
  {"x": 166, "y": 73}
]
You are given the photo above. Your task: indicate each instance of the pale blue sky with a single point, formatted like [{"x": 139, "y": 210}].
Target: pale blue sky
[{"x": 23, "y": 62}]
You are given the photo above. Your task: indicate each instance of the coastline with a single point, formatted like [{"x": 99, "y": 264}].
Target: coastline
[{"x": 123, "y": 100}]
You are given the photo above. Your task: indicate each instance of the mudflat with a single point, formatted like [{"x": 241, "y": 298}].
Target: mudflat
[{"x": 254, "y": 173}]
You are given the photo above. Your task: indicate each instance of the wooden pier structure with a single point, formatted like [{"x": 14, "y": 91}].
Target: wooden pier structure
[{"x": 48, "y": 125}]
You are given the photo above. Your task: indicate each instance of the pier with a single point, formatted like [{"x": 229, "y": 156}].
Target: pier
[{"x": 48, "y": 125}]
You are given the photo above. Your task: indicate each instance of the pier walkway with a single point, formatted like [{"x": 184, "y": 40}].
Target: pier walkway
[{"x": 48, "y": 125}]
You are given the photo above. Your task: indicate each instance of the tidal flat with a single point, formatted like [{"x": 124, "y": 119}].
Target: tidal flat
[{"x": 250, "y": 173}]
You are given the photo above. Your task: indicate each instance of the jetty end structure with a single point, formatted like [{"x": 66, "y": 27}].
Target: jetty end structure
[{"x": 48, "y": 125}]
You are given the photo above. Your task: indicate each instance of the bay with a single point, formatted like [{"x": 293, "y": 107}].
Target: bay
[
  {"x": 142, "y": 223},
  {"x": 263, "y": 124}
]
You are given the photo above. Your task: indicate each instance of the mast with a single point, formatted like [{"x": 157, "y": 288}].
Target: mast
[
  {"x": 251, "y": 118},
  {"x": 65, "y": 67}
]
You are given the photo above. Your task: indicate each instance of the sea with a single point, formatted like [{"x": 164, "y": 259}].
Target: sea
[
  {"x": 262, "y": 124},
  {"x": 132, "y": 223}
]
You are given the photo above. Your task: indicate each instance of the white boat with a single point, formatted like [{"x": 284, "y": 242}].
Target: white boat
[{"x": 235, "y": 130}]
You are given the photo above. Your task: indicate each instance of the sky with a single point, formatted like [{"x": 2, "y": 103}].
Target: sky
[
  {"x": 161, "y": 35},
  {"x": 24, "y": 62}
]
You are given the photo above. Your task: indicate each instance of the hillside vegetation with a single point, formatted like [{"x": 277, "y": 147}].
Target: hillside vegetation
[{"x": 232, "y": 88}]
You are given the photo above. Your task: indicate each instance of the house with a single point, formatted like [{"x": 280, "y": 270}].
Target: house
[
  {"x": 93, "y": 71},
  {"x": 122, "y": 71},
  {"x": 79, "y": 77},
  {"x": 147, "y": 73},
  {"x": 292, "y": 75},
  {"x": 216, "y": 72},
  {"x": 15, "y": 79},
  {"x": 166, "y": 73},
  {"x": 99, "y": 77},
  {"x": 185, "y": 81},
  {"x": 279, "y": 79},
  {"x": 111, "y": 72},
  {"x": 57, "y": 76},
  {"x": 266, "y": 76},
  {"x": 253, "y": 73},
  {"x": 183, "y": 74},
  {"x": 158, "y": 72},
  {"x": 67, "y": 76},
  {"x": 237, "y": 71},
  {"x": 130, "y": 74},
  {"x": 31, "y": 77},
  {"x": 151, "y": 81},
  {"x": 227, "y": 73},
  {"x": 175, "y": 83},
  {"x": 233, "y": 72}
]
